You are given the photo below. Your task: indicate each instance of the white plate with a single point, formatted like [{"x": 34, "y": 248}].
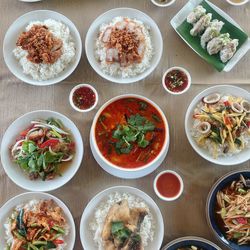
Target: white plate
[
  {"x": 88, "y": 215},
  {"x": 181, "y": 16},
  {"x": 16, "y": 174},
  {"x": 106, "y": 18},
  {"x": 18, "y": 27},
  {"x": 7, "y": 209},
  {"x": 241, "y": 157}
]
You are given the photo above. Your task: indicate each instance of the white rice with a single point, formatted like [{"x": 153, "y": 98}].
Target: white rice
[
  {"x": 31, "y": 205},
  {"x": 115, "y": 69},
  {"x": 245, "y": 137},
  {"x": 96, "y": 225},
  {"x": 42, "y": 71}
]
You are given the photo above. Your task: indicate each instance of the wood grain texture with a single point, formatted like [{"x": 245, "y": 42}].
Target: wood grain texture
[{"x": 185, "y": 216}]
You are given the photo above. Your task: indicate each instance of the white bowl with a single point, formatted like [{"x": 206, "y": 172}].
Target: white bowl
[
  {"x": 123, "y": 172},
  {"x": 106, "y": 18},
  {"x": 238, "y": 4},
  {"x": 155, "y": 2},
  {"x": 86, "y": 235},
  {"x": 9, "y": 44},
  {"x": 71, "y": 98},
  {"x": 226, "y": 161},
  {"x": 164, "y": 198},
  {"x": 7, "y": 209},
  {"x": 17, "y": 175},
  {"x": 181, "y": 69}
]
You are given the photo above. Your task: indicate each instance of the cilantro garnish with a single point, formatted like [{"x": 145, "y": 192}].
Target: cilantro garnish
[{"x": 132, "y": 133}]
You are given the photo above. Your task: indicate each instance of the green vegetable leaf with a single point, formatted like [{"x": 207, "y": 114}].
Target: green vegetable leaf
[
  {"x": 32, "y": 165},
  {"x": 116, "y": 227},
  {"x": 120, "y": 232},
  {"x": 40, "y": 161},
  {"x": 132, "y": 133},
  {"x": 31, "y": 148}
]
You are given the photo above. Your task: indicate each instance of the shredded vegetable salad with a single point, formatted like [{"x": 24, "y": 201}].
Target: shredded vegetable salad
[
  {"x": 38, "y": 225},
  {"x": 42, "y": 148},
  {"x": 234, "y": 204},
  {"x": 222, "y": 124}
]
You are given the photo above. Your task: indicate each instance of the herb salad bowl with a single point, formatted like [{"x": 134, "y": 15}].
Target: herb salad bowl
[
  {"x": 128, "y": 172},
  {"x": 17, "y": 175}
]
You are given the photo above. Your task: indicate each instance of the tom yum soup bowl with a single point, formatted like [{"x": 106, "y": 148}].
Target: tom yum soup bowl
[{"x": 129, "y": 137}]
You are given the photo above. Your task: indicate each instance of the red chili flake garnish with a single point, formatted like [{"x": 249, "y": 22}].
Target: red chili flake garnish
[
  {"x": 226, "y": 103},
  {"x": 176, "y": 80},
  {"x": 84, "y": 98}
]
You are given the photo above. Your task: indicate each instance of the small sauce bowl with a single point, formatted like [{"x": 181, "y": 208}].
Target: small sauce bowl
[
  {"x": 237, "y": 3},
  {"x": 168, "y": 185},
  {"x": 81, "y": 91},
  {"x": 162, "y": 4},
  {"x": 182, "y": 73}
]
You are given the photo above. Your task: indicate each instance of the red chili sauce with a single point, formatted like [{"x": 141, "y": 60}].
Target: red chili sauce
[
  {"x": 84, "y": 98},
  {"x": 176, "y": 80},
  {"x": 168, "y": 185}
]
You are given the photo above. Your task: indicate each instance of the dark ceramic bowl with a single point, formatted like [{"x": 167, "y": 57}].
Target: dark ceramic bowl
[
  {"x": 191, "y": 241},
  {"x": 211, "y": 203}
]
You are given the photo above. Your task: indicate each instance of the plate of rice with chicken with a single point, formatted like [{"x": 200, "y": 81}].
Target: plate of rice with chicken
[{"x": 121, "y": 218}]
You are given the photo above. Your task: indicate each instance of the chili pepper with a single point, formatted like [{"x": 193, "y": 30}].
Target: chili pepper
[
  {"x": 58, "y": 242},
  {"x": 49, "y": 143}
]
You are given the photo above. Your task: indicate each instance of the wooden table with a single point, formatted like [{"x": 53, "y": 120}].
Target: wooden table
[{"x": 185, "y": 216}]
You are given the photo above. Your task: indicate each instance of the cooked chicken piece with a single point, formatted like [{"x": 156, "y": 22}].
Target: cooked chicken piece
[
  {"x": 118, "y": 212},
  {"x": 137, "y": 216},
  {"x": 36, "y": 135},
  {"x": 109, "y": 245},
  {"x": 133, "y": 243}
]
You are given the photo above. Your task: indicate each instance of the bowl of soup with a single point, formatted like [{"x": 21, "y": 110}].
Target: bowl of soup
[{"x": 129, "y": 137}]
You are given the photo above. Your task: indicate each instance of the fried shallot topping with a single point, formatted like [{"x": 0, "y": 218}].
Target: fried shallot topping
[
  {"x": 41, "y": 44},
  {"x": 124, "y": 45}
]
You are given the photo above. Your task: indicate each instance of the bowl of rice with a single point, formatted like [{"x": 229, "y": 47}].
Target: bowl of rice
[
  {"x": 32, "y": 206},
  {"x": 42, "y": 47},
  {"x": 217, "y": 125},
  {"x": 124, "y": 45},
  {"x": 94, "y": 216}
]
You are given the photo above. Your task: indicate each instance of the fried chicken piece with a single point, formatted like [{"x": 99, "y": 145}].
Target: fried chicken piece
[{"x": 118, "y": 212}]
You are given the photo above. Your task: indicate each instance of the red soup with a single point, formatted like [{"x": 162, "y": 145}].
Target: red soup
[
  {"x": 130, "y": 132},
  {"x": 168, "y": 185}
]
